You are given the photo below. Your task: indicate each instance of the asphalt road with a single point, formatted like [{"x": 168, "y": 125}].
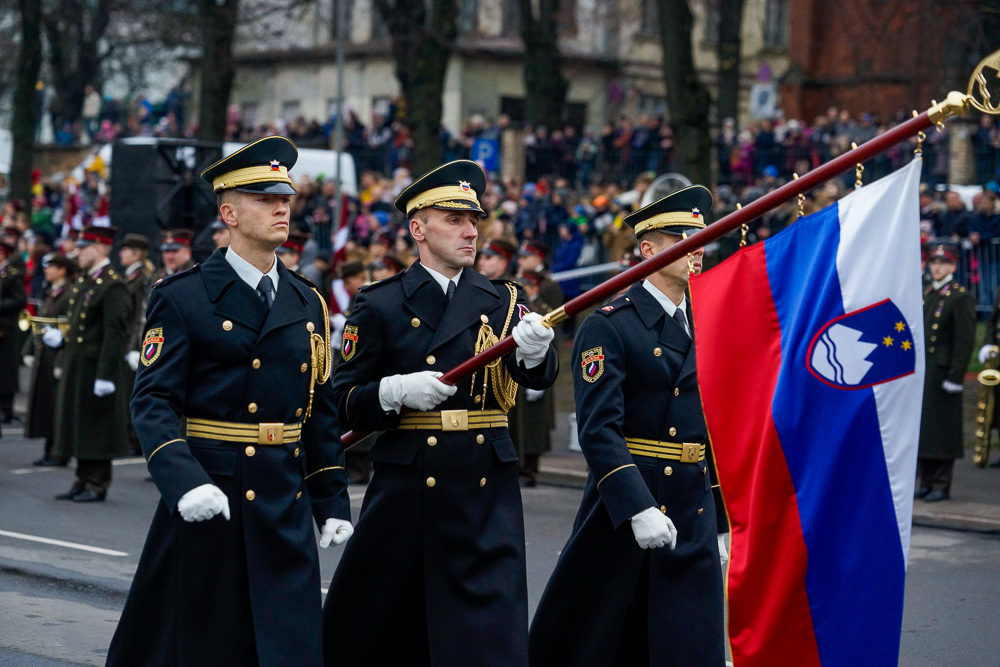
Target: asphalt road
[{"x": 60, "y": 601}]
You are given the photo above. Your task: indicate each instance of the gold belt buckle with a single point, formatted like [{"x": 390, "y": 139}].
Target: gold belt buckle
[
  {"x": 270, "y": 434},
  {"x": 454, "y": 420},
  {"x": 689, "y": 452}
]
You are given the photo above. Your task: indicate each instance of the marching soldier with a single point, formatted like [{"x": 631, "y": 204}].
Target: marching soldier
[
  {"x": 533, "y": 416},
  {"x": 90, "y": 401},
  {"x": 13, "y": 299},
  {"x": 39, "y": 422},
  {"x": 235, "y": 413},
  {"x": 950, "y": 331},
  {"x": 645, "y": 548},
  {"x": 991, "y": 338},
  {"x": 438, "y": 555},
  {"x": 133, "y": 253}
]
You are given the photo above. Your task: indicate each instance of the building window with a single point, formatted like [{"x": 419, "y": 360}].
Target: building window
[
  {"x": 776, "y": 24},
  {"x": 712, "y": 21},
  {"x": 290, "y": 110}
]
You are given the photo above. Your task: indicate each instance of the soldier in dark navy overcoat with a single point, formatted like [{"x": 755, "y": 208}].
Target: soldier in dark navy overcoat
[
  {"x": 435, "y": 574},
  {"x": 640, "y": 582},
  {"x": 246, "y": 459}
]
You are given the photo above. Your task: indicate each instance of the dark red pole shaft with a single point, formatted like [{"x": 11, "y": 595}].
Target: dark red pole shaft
[{"x": 720, "y": 228}]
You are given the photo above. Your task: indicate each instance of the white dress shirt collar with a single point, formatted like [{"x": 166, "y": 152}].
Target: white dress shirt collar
[
  {"x": 97, "y": 268},
  {"x": 442, "y": 279},
  {"x": 249, "y": 273},
  {"x": 667, "y": 304}
]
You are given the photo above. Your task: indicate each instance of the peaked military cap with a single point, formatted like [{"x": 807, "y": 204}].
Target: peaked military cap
[
  {"x": 261, "y": 166},
  {"x": 295, "y": 243},
  {"x": 61, "y": 261},
  {"x": 499, "y": 248},
  {"x": 678, "y": 213},
  {"x": 93, "y": 234},
  {"x": 456, "y": 186},
  {"x": 136, "y": 242},
  {"x": 175, "y": 239},
  {"x": 946, "y": 252}
]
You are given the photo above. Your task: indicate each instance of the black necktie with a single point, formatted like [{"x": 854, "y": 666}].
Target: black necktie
[
  {"x": 451, "y": 289},
  {"x": 681, "y": 320},
  {"x": 265, "y": 289}
]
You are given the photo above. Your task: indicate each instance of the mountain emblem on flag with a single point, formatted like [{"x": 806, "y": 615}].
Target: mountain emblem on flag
[{"x": 863, "y": 348}]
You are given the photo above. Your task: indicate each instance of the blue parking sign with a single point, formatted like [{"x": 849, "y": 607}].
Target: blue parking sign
[{"x": 487, "y": 152}]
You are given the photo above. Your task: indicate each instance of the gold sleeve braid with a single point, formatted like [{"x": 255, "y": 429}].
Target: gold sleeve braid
[
  {"x": 504, "y": 386},
  {"x": 321, "y": 359}
]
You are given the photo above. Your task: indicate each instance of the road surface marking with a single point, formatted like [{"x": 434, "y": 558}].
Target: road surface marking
[
  {"x": 118, "y": 462},
  {"x": 60, "y": 543}
]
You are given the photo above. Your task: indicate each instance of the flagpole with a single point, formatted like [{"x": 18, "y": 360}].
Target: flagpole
[{"x": 955, "y": 104}]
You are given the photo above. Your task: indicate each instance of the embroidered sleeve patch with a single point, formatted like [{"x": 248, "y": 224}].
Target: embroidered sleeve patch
[
  {"x": 593, "y": 364},
  {"x": 152, "y": 345},
  {"x": 350, "y": 344}
]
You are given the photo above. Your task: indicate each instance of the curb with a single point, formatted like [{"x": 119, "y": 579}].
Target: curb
[{"x": 60, "y": 577}]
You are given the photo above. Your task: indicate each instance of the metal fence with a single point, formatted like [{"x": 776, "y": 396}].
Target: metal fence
[{"x": 979, "y": 270}]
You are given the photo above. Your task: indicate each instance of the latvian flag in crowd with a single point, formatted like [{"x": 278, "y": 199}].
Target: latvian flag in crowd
[
  {"x": 811, "y": 366},
  {"x": 339, "y": 298}
]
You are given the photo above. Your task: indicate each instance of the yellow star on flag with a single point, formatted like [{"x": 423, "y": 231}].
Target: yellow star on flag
[
  {"x": 887, "y": 341},
  {"x": 900, "y": 326},
  {"x": 906, "y": 345}
]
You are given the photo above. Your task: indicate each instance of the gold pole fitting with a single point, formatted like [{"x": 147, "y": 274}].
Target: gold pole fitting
[
  {"x": 800, "y": 209},
  {"x": 859, "y": 169},
  {"x": 956, "y": 104},
  {"x": 744, "y": 228},
  {"x": 555, "y": 317}
]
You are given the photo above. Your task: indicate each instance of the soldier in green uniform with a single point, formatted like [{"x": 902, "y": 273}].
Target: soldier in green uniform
[
  {"x": 134, "y": 256},
  {"x": 40, "y": 419},
  {"x": 950, "y": 331},
  {"x": 534, "y": 413},
  {"x": 175, "y": 253},
  {"x": 13, "y": 299},
  {"x": 90, "y": 402}
]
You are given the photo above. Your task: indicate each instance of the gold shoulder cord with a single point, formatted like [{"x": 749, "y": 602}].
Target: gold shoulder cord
[
  {"x": 320, "y": 358},
  {"x": 504, "y": 386}
]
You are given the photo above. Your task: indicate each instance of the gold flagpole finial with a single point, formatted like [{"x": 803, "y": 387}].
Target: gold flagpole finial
[
  {"x": 858, "y": 168},
  {"x": 744, "y": 228},
  {"x": 800, "y": 210}
]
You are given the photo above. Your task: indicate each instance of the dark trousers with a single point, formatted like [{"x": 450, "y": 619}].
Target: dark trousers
[
  {"x": 935, "y": 473},
  {"x": 93, "y": 474},
  {"x": 49, "y": 446},
  {"x": 6, "y": 406}
]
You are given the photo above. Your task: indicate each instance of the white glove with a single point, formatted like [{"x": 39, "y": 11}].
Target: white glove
[
  {"x": 52, "y": 337},
  {"x": 723, "y": 552},
  {"x": 952, "y": 387},
  {"x": 132, "y": 359},
  {"x": 984, "y": 353},
  {"x": 103, "y": 388},
  {"x": 335, "y": 532},
  {"x": 29, "y": 360},
  {"x": 533, "y": 339},
  {"x": 532, "y": 395},
  {"x": 420, "y": 391},
  {"x": 653, "y": 529},
  {"x": 203, "y": 502}
]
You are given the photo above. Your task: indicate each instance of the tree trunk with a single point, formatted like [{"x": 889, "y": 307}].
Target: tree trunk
[
  {"x": 218, "y": 30},
  {"x": 74, "y": 32},
  {"x": 421, "y": 50},
  {"x": 544, "y": 85},
  {"x": 25, "y": 117},
  {"x": 730, "y": 25},
  {"x": 688, "y": 100}
]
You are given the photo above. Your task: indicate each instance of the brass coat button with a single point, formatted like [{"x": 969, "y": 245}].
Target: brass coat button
[
  {"x": 252, "y": 408},
  {"x": 83, "y": 316},
  {"x": 298, "y": 495},
  {"x": 296, "y": 453},
  {"x": 256, "y": 363},
  {"x": 432, "y": 441},
  {"x": 431, "y": 359},
  {"x": 478, "y": 399},
  {"x": 482, "y": 482},
  {"x": 934, "y": 326},
  {"x": 415, "y": 322},
  {"x": 672, "y": 431},
  {"x": 310, "y": 327},
  {"x": 251, "y": 450},
  {"x": 931, "y": 350},
  {"x": 663, "y": 509},
  {"x": 677, "y": 392},
  {"x": 480, "y": 438},
  {"x": 79, "y": 339},
  {"x": 303, "y": 367},
  {"x": 668, "y": 471},
  {"x": 251, "y": 495},
  {"x": 657, "y": 351},
  {"x": 227, "y": 326},
  {"x": 701, "y": 510},
  {"x": 298, "y": 413},
  {"x": 431, "y": 481},
  {"x": 484, "y": 319}
]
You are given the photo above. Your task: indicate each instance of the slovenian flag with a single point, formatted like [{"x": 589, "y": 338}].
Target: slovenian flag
[{"x": 811, "y": 366}]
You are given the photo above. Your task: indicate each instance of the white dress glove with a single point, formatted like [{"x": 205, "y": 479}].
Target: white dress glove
[
  {"x": 952, "y": 387},
  {"x": 335, "y": 532},
  {"x": 52, "y": 337},
  {"x": 420, "y": 391},
  {"x": 653, "y": 529},
  {"x": 202, "y": 503},
  {"x": 132, "y": 359},
  {"x": 533, "y": 339},
  {"x": 29, "y": 360},
  {"x": 103, "y": 388},
  {"x": 532, "y": 395},
  {"x": 723, "y": 552},
  {"x": 984, "y": 353}
]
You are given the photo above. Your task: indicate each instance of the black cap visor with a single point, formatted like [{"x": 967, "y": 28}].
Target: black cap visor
[{"x": 268, "y": 188}]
